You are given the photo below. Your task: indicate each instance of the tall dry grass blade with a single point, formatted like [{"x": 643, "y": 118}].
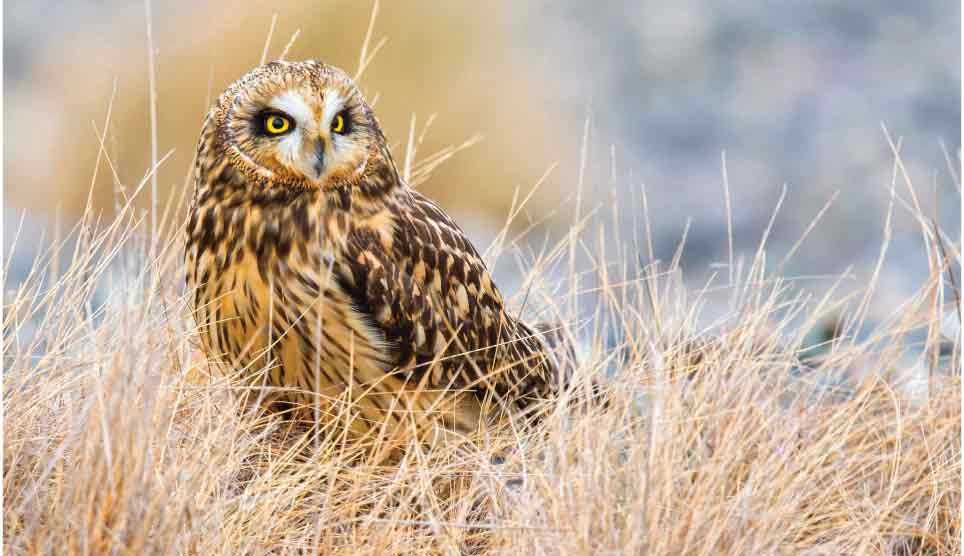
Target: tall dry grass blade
[
  {"x": 152, "y": 108},
  {"x": 409, "y": 151},
  {"x": 267, "y": 40},
  {"x": 813, "y": 224},
  {"x": 291, "y": 43},
  {"x": 728, "y": 209},
  {"x": 955, "y": 176},
  {"x": 364, "y": 57}
]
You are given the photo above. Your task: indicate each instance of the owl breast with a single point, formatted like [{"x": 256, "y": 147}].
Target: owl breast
[
  {"x": 270, "y": 309},
  {"x": 272, "y": 312}
]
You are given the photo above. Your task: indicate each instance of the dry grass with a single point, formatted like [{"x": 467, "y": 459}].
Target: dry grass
[{"x": 119, "y": 439}]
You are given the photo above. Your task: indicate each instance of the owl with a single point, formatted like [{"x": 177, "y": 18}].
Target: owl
[{"x": 331, "y": 287}]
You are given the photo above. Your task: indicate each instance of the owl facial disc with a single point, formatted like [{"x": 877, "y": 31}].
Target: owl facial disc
[{"x": 301, "y": 124}]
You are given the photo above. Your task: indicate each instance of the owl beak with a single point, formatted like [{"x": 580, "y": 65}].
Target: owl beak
[{"x": 319, "y": 165}]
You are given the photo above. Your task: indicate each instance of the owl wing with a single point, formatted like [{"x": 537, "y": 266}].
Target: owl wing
[{"x": 427, "y": 289}]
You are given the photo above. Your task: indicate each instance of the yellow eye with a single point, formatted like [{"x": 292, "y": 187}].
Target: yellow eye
[
  {"x": 276, "y": 125},
  {"x": 338, "y": 124}
]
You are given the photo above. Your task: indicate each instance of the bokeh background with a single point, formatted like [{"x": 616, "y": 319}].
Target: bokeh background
[{"x": 794, "y": 92}]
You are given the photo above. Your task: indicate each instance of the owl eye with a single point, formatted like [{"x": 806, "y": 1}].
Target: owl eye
[
  {"x": 276, "y": 124},
  {"x": 340, "y": 124}
]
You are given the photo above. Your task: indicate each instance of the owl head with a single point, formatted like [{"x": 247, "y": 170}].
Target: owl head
[{"x": 302, "y": 125}]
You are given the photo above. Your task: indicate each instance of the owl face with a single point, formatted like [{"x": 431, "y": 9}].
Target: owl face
[{"x": 301, "y": 124}]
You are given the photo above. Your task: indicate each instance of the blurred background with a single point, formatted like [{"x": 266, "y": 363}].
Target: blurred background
[{"x": 794, "y": 92}]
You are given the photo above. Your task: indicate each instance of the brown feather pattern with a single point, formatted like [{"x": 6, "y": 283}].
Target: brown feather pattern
[{"x": 354, "y": 287}]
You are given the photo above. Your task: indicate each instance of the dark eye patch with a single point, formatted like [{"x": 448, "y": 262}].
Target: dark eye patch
[
  {"x": 265, "y": 124},
  {"x": 342, "y": 123}
]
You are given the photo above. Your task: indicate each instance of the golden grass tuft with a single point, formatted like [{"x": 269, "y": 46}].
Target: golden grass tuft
[{"x": 120, "y": 440}]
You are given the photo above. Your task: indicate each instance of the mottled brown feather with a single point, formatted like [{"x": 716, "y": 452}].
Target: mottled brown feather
[{"x": 346, "y": 284}]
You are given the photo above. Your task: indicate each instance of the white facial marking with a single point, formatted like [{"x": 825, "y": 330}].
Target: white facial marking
[
  {"x": 341, "y": 146},
  {"x": 333, "y": 104},
  {"x": 290, "y": 145},
  {"x": 292, "y": 103},
  {"x": 290, "y": 148}
]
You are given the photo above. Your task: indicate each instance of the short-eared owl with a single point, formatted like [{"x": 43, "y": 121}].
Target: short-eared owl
[{"x": 315, "y": 271}]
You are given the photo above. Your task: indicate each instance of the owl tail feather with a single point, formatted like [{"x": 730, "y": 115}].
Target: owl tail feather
[{"x": 560, "y": 348}]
